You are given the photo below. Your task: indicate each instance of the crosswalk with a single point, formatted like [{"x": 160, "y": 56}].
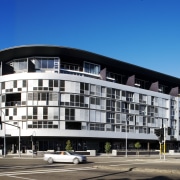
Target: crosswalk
[{"x": 18, "y": 172}]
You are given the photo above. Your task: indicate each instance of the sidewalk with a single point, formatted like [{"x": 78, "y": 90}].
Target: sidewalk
[{"x": 100, "y": 155}]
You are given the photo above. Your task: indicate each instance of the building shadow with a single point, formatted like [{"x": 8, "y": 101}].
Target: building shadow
[{"x": 105, "y": 177}]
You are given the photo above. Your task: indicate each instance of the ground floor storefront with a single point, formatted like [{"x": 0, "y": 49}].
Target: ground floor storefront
[{"x": 81, "y": 144}]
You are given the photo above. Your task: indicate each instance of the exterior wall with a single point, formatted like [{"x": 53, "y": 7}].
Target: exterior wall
[
  {"x": 87, "y": 113},
  {"x": 51, "y": 100}
]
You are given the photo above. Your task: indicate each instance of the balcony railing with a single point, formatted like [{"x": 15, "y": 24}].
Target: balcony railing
[{"x": 13, "y": 103}]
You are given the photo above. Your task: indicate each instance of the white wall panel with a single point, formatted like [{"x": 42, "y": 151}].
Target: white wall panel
[
  {"x": 136, "y": 97},
  {"x": 46, "y": 83},
  {"x": 30, "y": 85},
  {"x": 19, "y": 83},
  {"x": 92, "y": 116},
  {"x": 62, "y": 113},
  {"x": 103, "y": 117},
  {"x": 23, "y": 96},
  {"x": 21, "y": 111},
  {"x": 78, "y": 115}
]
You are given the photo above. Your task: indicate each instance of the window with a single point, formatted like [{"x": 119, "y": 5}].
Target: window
[
  {"x": 13, "y": 99},
  {"x": 62, "y": 85},
  {"x": 118, "y": 106},
  {"x": 69, "y": 114},
  {"x": 3, "y": 85},
  {"x": 34, "y": 112},
  {"x": 118, "y": 118},
  {"x": 93, "y": 89},
  {"x": 111, "y": 93},
  {"x": 91, "y": 68},
  {"x": 40, "y": 83},
  {"x": 124, "y": 93},
  {"x": 19, "y": 64},
  {"x": 97, "y": 127},
  {"x": 55, "y": 83},
  {"x": 14, "y": 84},
  {"x": 6, "y": 112},
  {"x": 95, "y": 100},
  {"x": 73, "y": 125},
  {"x": 84, "y": 88},
  {"x": 43, "y": 124},
  {"x": 110, "y": 118},
  {"x": 110, "y": 105},
  {"x": 15, "y": 111},
  {"x": 117, "y": 94},
  {"x": 129, "y": 96}
]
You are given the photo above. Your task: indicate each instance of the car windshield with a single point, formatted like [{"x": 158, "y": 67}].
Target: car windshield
[{"x": 70, "y": 152}]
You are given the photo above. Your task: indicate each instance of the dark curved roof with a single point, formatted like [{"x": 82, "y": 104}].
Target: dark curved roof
[{"x": 113, "y": 64}]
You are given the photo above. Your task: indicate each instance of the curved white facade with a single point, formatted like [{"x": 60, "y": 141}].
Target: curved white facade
[{"x": 54, "y": 100}]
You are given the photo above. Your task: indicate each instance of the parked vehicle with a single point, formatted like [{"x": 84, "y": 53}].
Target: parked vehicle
[{"x": 64, "y": 156}]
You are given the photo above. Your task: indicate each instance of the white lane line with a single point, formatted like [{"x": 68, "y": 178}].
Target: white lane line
[
  {"x": 21, "y": 178},
  {"x": 44, "y": 171},
  {"x": 37, "y": 166}
]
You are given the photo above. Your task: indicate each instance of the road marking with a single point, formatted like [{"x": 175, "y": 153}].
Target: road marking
[
  {"x": 21, "y": 178},
  {"x": 35, "y": 166},
  {"x": 16, "y": 173}
]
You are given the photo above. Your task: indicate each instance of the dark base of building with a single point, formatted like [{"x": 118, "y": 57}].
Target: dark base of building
[{"x": 81, "y": 144}]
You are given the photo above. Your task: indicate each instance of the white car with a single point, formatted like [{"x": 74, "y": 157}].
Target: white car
[{"x": 64, "y": 156}]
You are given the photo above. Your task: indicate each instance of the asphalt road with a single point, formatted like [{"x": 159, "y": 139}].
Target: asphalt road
[{"x": 100, "y": 167}]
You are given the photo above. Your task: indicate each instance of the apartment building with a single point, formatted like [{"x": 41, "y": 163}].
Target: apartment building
[{"x": 52, "y": 94}]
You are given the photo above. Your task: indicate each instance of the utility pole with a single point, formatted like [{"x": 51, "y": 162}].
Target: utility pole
[{"x": 164, "y": 142}]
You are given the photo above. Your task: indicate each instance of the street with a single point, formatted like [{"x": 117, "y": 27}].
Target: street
[{"x": 111, "y": 168}]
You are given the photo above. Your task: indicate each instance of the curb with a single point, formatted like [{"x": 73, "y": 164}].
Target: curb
[{"x": 150, "y": 170}]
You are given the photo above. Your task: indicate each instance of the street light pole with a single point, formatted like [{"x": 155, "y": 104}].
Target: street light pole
[
  {"x": 32, "y": 143},
  {"x": 4, "y": 134},
  {"x": 4, "y": 140},
  {"x": 126, "y": 137},
  {"x": 19, "y": 141},
  {"x": 164, "y": 141}
]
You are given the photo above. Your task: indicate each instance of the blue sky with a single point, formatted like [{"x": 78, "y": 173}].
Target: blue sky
[{"x": 141, "y": 32}]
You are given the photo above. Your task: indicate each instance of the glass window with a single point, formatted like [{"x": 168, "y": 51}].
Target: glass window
[
  {"x": 14, "y": 84},
  {"x": 50, "y": 63},
  {"x": 69, "y": 114},
  {"x": 3, "y": 98},
  {"x": 50, "y": 83},
  {"x": 124, "y": 93},
  {"x": 7, "y": 112},
  {"x": 62, "y": 85},
  {"x": 34, "y": 110},
  {"x": 44, "y": 63},
  {"x": 15, "y": 111},
  {"x": 24, "y": 83},
  {"x": 45, "y": 111},
  {"x": 91, "y": 68},
  {"x": 55, "y": 83},
  {"x": 40, "y": 83},
  {"x": 117, "y": 94},
  {"x": 118, "y": 106},
  {"x": 92, "y": 100},
  {"x": 109, "y": 92},
  {"x": 23, "y": 64},
  {"x": 43, "y": 96}
]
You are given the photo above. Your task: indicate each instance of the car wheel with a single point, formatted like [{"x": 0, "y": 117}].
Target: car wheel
[
  {"x": 50, "y": 160},
  {"x": 76, "y": 161}
]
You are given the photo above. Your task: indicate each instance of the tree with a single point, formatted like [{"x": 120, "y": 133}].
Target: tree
[
  {"x": 68, "y": 145},
  {"x": 107, "y": 147},
  {"x": 137, "y": 146}
]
